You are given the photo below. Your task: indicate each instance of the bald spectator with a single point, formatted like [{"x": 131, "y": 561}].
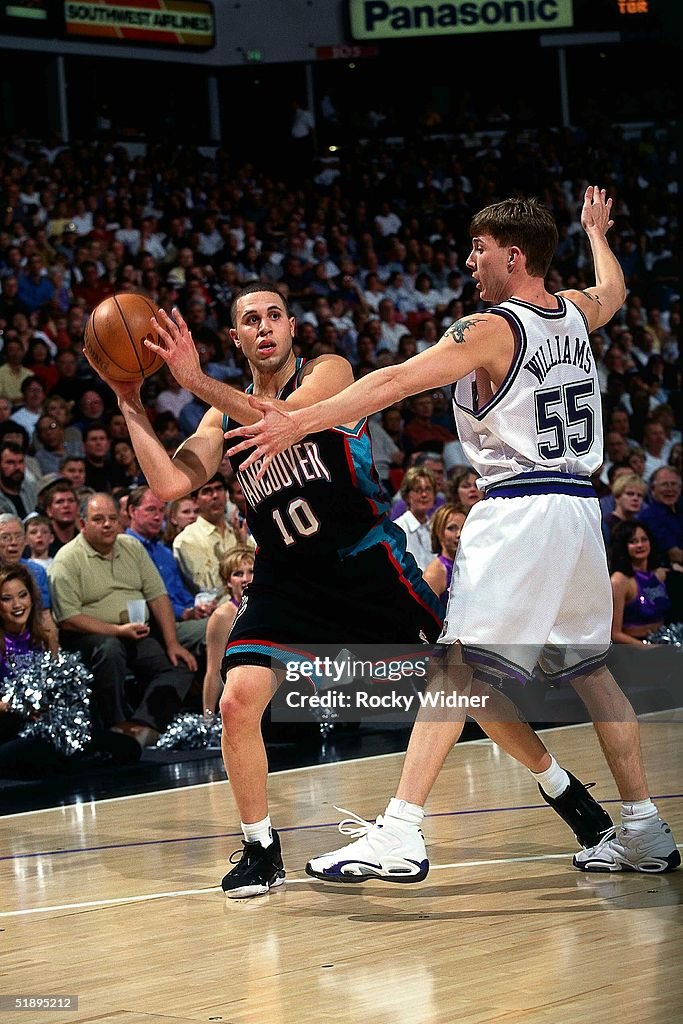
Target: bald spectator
[{"x": 93, "y": 579}]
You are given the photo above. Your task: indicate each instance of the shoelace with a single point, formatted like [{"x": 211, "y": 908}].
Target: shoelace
[
  {"x": 354, "y": 825},
  {"x": 237, "y": 855},
  {"x": 606, "y": 836}
]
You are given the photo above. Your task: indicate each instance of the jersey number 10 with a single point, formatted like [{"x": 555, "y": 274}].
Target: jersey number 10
[
  {"x": 301, "y": 517},
  {"x": 560, "y": 409}
]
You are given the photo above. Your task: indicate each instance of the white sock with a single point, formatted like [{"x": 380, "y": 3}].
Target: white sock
[
  {"x": 554, "y": 780},
  {"x": 258, "y": 832},
  {"x": 638, "y": 814},
  {"x": 404, "y": 815}
]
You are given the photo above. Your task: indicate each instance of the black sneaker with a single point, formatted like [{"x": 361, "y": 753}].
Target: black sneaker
[
  {"x": 258, "y": 870},
  {"x": 586, "y": 818}
]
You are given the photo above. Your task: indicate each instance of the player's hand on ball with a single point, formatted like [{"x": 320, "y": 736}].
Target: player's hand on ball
[
  {"x": 272, "y": 434},
  {"x": 178, "y": 350},
  {"x": 123, "y": 389}
]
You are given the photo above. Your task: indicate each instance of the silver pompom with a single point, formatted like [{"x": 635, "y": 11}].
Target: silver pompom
[
  {"x": 191, "y": 732},
  {"x": 53, "y": 695},
  {"x": 671, "y": 634}
]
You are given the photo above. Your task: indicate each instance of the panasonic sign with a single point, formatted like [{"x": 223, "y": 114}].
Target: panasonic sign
[{"x": 382, "y": 19}]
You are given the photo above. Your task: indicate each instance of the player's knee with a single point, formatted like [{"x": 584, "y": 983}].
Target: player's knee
[{"x": 238, "y": 708}]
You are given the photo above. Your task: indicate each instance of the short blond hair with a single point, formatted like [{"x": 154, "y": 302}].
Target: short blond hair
[
  {"x": 232, "y": 560},
  {"x": 628, "y": 480}
]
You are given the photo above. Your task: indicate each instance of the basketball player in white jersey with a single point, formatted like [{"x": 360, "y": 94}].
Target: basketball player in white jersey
[{"x": 530, "y": 584}]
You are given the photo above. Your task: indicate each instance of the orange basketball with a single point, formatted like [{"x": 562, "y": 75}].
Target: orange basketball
[{"x": 115, "y": 334}]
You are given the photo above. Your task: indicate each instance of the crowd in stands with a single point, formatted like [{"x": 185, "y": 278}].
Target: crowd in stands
[{"x": 370, "y": 248}]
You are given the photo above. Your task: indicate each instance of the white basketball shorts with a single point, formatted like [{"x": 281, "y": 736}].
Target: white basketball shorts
[{"x": 531, "y": 586}]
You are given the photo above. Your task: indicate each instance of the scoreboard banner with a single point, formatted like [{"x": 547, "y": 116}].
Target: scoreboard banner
[
  {"x": 386, "y": 19},
  {"x": 181, "y": 23}
]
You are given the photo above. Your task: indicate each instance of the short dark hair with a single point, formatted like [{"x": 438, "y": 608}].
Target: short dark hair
[
  {"x": 96, "y": 425},
  {"x": 216, "y": 478},
  {"x": 522, "y": 222},
  {"x": 10, "y": 427},
  {"x": 28, "y": 381},
  {"x": 250, "y": 289},
  {"x": 11, "y": 446}
]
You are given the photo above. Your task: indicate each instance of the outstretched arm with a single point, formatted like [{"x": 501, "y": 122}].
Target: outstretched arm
[
  {"x": 469, "y": 343},
  {"x": 600, "y": 302}
]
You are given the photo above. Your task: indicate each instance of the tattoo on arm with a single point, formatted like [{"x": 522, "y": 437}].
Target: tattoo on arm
[
  {"x": 457, "y": 330},
  {"x": 593, "y": 297}
]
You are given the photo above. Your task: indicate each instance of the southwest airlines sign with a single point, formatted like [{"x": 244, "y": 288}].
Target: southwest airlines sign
[{"x": 384, "y": 19}]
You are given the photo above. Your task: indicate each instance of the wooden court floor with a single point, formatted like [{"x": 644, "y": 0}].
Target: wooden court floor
[{"x": 116, "y": 902}]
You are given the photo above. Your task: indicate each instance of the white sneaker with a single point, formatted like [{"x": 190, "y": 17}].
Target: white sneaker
[
  {"x": 651, "y": 850},
  {"x": 382, "y": 851}
]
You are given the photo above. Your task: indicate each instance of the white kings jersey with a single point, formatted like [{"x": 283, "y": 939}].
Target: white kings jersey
[{"x": 546, "y": 414}]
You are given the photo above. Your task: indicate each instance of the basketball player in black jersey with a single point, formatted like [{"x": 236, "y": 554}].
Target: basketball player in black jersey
[{"x": 330, "y": 565}]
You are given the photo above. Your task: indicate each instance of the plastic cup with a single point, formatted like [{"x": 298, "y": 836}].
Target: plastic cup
[{"x": 137, "y": 611}]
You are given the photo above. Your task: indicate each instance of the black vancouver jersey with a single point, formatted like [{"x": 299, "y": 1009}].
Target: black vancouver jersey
[{"x": 320, "y": 498}]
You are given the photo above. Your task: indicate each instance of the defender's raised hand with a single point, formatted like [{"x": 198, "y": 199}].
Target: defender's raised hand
[
  {"x": 595, "y": 214},
  {"x": 178, "y": 351}
]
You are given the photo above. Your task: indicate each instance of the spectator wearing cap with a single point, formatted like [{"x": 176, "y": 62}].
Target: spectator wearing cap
[{"x": 199, "y": 546}]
